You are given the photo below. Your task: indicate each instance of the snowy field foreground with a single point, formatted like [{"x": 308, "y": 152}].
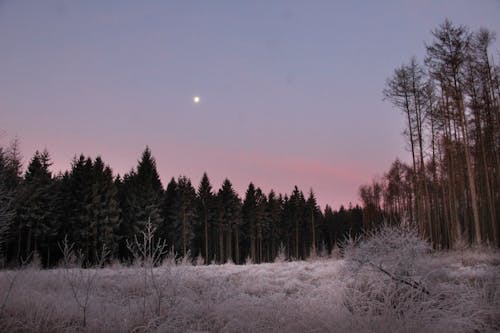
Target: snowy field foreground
[{"x": 375, "y": 288}]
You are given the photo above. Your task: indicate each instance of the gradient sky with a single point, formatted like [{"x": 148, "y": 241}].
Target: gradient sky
[{"x": 291, "y": 91}]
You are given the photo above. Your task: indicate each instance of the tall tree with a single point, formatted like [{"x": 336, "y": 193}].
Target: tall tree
[
  {"x": 166, "y": 229},
  {"x": 297, "y": 215},
  {"x": 249, "y": 222},
  {"x": 314, "y": 217},
  {"x": 446, "y": 58},
  {"x": 36, "y": 215},
  {"x": 7, "y": 209},
  {"x": 103, "y": 209},
  {"x": 406, "y": 89},
  {"x": 142, "y": 197},
  {"x": 229, "y": 206},
  {"x": 205, "y": 203},
  {"x": 273, "y": 212},
  {"x": 184, "y": 215}
]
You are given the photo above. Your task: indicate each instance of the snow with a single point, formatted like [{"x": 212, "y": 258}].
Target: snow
[{"x": 321, "y": 295}]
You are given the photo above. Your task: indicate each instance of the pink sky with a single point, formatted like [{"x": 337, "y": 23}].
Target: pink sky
[{"x": 291, "y": 93}]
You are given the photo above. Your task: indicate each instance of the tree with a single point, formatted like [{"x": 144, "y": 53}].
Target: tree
[
  {"x": 314, "y": 216},
  {"x": 229, "y": 220},
  {"x": 37, "y": 216},
  {"x": 371, "y": 197},
  {"x": 104, "y": 209},
  {"x": 295, "y": 214},
  {"x": 406, "y": 89},
  {"x": 205, "y": 202},
  {"x": 184, "y": 215},
  {"x": 446, "y": 58},
  {"x": 249, "y": 222},
  {"x": 166, "y": 229},
  {"x": 453, "y": 121},
  {"x": 141, "y": 197},
  {"x": 273, "y": 213},
  {"x": 7, "y": 211}
]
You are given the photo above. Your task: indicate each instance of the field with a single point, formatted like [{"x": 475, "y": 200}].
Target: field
[{"x": 373, "y": 288}]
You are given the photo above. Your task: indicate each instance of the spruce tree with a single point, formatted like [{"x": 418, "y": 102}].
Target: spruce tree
[
  {"x": 230, "y": 219},
  {"x": 249, "y": 222},
  {"x": 142, "y": 193},
  {"x": 273, "y": 211},
  {"x": 205, "y": 214},
  {"x": 103, "y": 209},
  {"x": 7, "y": 209},
  {"x": 184, "y": 215},
  {"x": 296, "y": 214},
  {"x": 314, "y": 217},
  {"x": 329, "y": 231},
  {"x": 262, "y": 223},
  {"x": 36, "y": 215},
  {"x": 166, "y": 229}
]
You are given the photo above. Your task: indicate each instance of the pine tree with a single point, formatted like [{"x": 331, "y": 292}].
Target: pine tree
[
  {"x": 11, "y": 177},
  {"x": 273, "y": 212},
  {"x": 249, "y": 223},
  {"x": 103, "y": 209},
  {"x": 77, "y": 190},
  {"x": 7, "y": 209},
  {"x": 229, "y": 206},
  {"x": 297, "y": 206},
  {"x": 314, "y": 216},
  {"x": 142, "y": 194},
  {"x": 166, "y": 230},
  {"x": 36, "y": 215},
  {"x": 205, "y": 214},
  {"x": 329, "y": 230},
  {"x": 184, "y": 215},
  {"x": 262, "y": 223}
]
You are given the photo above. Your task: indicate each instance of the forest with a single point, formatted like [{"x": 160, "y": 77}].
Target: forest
[
  {"x": 94, "y": 208},
  {"x": 450, "y": 189}
]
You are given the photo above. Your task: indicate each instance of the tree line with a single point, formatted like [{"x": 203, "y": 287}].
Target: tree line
[
  {"x": 92, "y": 208},
  {"x": 451, "y": 187}
]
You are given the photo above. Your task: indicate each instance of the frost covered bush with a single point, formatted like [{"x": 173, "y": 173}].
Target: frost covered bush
[
  {"x": 281, "y": 255},
  {"x": 391, "y": 250},
  {"x": 392, "y": 287}
]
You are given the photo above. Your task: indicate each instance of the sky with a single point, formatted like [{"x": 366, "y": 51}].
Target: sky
[{"x": 290, "y": 91}]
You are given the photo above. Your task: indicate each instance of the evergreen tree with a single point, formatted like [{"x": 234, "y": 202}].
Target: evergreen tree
[
  {"x": 89, "y": 210},
  {"x": 261, "y": 223},
  {"x": 11, "y": 178},
  {"x": 103, "y": 210},
  {"x": 315, "y": 218},
  {"x": 249, "y": 223},
  {"x": 329, "y": 230},
  {"x": 36, "y": 215},
  {"x": 7, "y": 209},
  {"x": 273, "y": 212},
  {"x": 229, "y": 206},
  {"x": 142, "y": 195},
  {"x": 79, "y": 196},
  {"x": 184, "y": 215},
  {"x": 205, "y": 214},
  {"x": 166, "y": 229},
  {"x": 286, "y": 229},
  {"x": 297, "y": 216}
]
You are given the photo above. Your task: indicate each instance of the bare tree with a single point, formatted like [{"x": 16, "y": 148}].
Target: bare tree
[
  {"x": 81, "y": 281},
  {"x": 149, "y": 252}
]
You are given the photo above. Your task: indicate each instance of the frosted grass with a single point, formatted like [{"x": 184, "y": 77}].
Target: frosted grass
[{"x": 321, "y": 295}]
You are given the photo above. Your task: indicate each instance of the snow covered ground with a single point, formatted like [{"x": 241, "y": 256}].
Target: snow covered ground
[{"x": 462, "y": 293}]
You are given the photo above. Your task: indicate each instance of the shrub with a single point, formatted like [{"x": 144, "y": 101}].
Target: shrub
[{"x": 391, "y": 286}]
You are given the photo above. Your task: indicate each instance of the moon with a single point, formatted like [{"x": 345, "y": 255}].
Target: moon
[{"x": 196, "y": 99}]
